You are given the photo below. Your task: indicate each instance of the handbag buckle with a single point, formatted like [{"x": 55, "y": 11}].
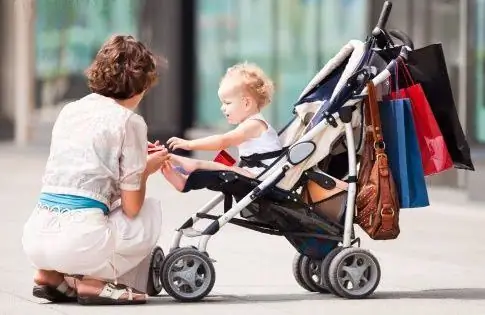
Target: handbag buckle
[
  {"x": 385, "y": 210},
  {"x": 379, "y": 144}
]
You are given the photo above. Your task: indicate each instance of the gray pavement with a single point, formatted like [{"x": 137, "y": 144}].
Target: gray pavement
[{"x": 435, "y": 267}]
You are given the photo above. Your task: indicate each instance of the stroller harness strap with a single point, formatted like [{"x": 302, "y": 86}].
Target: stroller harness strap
[{"x": 254, "y": 160}]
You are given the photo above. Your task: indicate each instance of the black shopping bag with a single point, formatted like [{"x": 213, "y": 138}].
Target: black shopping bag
[{"x": 428, "y": 67}]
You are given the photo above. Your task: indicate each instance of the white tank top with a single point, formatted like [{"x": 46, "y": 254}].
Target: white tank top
[{"x": 268, "y": 141}]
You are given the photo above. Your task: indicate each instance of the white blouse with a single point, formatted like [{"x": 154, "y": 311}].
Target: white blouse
[{"x": 98, "y": 147}]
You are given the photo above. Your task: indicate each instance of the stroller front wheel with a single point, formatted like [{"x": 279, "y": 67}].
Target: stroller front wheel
[
  {"x": 188, "y": 275},
  {"x": 354, "y": 273}
]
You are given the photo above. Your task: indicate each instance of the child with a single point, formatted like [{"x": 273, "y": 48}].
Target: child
[{"x": 244, "y": 91}]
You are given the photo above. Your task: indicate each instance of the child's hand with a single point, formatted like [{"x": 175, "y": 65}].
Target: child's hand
[{"x": 178, "y": 143}]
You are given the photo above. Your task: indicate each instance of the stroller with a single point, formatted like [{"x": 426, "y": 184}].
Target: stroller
[{"x": 308, "y": 193}]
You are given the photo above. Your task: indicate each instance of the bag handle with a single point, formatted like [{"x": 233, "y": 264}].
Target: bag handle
[
  {"x": 407, "y": 74},
  {"x": 399, "y": 62},
  {"x": 375, "y": 117},
  {"x": 396, "y": 77}
]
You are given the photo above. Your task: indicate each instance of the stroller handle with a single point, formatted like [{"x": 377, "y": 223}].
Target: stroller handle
[{"x": 381, "y": 23}]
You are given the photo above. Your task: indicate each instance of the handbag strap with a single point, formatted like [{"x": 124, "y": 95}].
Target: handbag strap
[{"x": 375, "y": 118}]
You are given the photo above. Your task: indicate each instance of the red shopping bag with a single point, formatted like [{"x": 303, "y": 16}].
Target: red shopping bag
[
  {"x": 434, "y": 153},
  {"x": 225, "y": 158}
]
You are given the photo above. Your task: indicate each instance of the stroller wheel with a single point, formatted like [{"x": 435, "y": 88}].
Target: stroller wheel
[
  {"x": 188, "y": 275},
  {"x": 354, "y": 273},
  {"x": 154, "y": 286},
  {"x": 311, "y": 273},
  {"x": 297, "y": 272},
  {"x": 325, "y": 279}
]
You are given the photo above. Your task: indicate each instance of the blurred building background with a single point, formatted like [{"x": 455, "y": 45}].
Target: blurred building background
[{"x": 46, "y": 45}]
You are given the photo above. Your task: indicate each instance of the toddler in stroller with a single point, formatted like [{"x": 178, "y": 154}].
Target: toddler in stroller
[{"x": 244, "y": 91}]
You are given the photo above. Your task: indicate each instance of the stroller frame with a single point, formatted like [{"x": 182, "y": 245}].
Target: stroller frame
[
  {"x": 188, "y": 274},
  {"x": 271, "y": 181}
]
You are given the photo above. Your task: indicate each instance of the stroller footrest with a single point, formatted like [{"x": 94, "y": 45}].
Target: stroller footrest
[{"x": 191, "y": 232}]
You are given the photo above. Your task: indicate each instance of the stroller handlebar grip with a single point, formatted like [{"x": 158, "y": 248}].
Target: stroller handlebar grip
[{"x": 386, "y": 11}]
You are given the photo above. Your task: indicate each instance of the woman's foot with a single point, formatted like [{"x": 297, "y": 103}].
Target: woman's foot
[
  {"x": 51, "y": 285},
  {"x": 48, "y": 277},
  {"x": 96, "y": 292}
]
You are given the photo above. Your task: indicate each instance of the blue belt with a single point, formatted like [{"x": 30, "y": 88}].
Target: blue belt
[{"x": 71, "y": 202}]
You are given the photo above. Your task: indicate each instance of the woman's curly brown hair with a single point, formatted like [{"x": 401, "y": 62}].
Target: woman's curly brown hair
[{"x": 122, "y": 68}]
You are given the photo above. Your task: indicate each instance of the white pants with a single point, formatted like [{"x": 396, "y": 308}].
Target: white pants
[{"x": 87, "y": 242}]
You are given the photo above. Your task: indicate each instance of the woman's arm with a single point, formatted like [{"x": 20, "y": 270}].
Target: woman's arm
[
  {"x": 132, "y": 200},
  {"x": 136, "y": 165},
  {"x": 246, "y": 130}
]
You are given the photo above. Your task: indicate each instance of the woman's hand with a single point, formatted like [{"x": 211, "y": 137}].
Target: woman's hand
[
  {"x": 178, "y": 143},
  {"x": 156, "y": 160},
  {"x": 153, "y": 145}
]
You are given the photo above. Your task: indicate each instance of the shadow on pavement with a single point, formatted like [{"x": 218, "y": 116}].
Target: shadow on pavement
[
  {"x": 436, "y": 294},
  {"x": 433, "y": 294}
]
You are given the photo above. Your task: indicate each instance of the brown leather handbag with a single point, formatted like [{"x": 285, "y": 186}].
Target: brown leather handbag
[{"x": 377, "y": 204}]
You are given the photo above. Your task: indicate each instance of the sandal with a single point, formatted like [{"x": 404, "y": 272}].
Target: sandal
[
  {"x": 62, "y": 294},
  {"x": 110, "y": 295}
]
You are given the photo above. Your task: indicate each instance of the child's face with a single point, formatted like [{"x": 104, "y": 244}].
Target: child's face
[{"x": 236, "y": 106}]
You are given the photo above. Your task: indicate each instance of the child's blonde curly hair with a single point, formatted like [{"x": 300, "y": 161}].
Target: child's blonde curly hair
[{"x": 255, "y": 82}]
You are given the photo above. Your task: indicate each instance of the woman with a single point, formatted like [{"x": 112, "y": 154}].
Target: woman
[{"x": 92, "y": 218}]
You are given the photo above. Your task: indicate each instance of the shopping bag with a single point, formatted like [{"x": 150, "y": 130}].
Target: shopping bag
[
  {"x": 427, "y": 66},
  {"x": 225, "y": 158},
  {"x": 402, "y": 149},
  {"x": 434, "y": 152}
]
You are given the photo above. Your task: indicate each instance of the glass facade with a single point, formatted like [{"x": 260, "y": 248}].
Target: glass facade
[
  {"x": 479, "y": 105},
  {"x": 290, "y": 39},
  {"x": 69, "y": 33}
]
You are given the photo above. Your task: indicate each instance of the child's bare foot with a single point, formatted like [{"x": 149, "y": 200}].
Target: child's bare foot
[
  {"x": 187, "y": 164},
  {"x": 175, "y": 178}
]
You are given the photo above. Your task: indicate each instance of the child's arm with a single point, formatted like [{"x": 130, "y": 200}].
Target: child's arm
[{"x": 246, "y": 130}]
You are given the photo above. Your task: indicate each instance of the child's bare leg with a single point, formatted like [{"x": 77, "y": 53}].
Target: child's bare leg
[
  {"x": 173, "y": 177},
  {"x": 191, "y": 165},
  {"x": 242, "y": 171}
]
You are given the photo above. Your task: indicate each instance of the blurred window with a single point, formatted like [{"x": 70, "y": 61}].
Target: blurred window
[
  {"x": 70, "y": 32},
  {"x": 290, "y": 39},
  {"x": 480, "y": 72}
]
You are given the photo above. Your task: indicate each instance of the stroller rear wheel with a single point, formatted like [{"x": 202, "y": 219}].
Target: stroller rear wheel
[
  {"x": 311, "y": 274},
  {"x": 297, "y": 273},
  {"x": 154, "y": 286},
  {"x": 354, "y": 273},
  {"x": 188, "y": 275}
]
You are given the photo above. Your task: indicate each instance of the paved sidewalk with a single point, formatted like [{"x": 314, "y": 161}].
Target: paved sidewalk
[{"x": 435, "y": 267}]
